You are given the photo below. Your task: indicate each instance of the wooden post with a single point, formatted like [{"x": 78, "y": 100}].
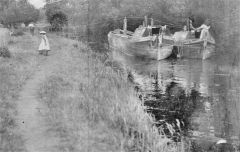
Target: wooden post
[
  {"x": 125, "y": 25},
  {"x": 160, "y": 39},
  {"x": 152, "y": 22},
  {"x": 146, "y": 21}
]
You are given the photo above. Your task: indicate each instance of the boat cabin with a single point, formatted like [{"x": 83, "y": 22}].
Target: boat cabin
[
  {"x": 144, "y": 30},
  {"x": 147, "y": 31}
]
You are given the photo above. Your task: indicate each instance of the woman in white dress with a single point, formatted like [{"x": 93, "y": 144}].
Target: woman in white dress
[
  {"x": 204, "y": 28},
  {"x": 44, "y": 45}
]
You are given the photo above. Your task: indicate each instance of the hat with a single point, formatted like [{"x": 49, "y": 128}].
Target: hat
[
  {"x": 42, "y": 32},
  {"x": 31, "y": 25}
]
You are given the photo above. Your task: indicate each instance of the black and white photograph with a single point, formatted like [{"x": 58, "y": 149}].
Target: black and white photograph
[{"x": 119, "y": 75}]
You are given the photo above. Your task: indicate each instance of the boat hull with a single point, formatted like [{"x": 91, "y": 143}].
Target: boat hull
[
  {"x": 145, "y": 48},
  {"x": 187, "y": 46},
  {"x": 195, "y": 50}
]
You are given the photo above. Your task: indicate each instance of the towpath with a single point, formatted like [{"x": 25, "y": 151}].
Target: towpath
[{"x": 30, "y": 119}]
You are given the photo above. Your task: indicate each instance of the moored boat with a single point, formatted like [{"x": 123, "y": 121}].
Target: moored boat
[
  {"x": 146, "y": 41},
  {"x": 187, "y": 46}
]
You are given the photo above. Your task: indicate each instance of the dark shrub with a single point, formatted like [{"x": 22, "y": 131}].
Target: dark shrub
[
  {"x": 56, "y": 17},
  {"x": 4, "y": 52}
]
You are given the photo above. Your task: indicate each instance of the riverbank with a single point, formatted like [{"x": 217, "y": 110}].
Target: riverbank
[{"x": 70, "y": 101}]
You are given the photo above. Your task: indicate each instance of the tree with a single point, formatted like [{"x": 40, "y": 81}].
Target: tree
[
  {"x": 5, "y": 4},
  {"x": 56, "y": 17},
  {"x": 101, "y": 16},
  {"x": 19, "y": 12},
  {"x": 28, "y": 12}
]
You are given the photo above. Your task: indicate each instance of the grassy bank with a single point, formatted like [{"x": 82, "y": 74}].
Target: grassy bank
[
  {"x": 14, "y": 72},
  {"x": 91, "y": 108}
]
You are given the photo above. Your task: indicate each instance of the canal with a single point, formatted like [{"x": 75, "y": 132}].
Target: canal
[{"x": 192, "y": 100}]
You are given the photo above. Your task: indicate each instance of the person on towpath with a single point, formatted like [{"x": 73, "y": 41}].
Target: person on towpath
[{"x": 44, "y": 46}]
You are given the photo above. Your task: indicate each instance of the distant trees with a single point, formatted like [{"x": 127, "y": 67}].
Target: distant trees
[
  {"x": 56, "y": 17},
  {"x": 5, "y": 4},
  {"x": 21, "y": 11},
  {"x": 100, "y": 16}
]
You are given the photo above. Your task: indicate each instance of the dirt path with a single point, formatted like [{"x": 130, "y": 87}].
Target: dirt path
[{"x": 30, "y": 120}]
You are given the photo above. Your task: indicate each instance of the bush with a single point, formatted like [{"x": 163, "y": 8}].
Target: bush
[
  {"x": 4, "y": 52},
  {"x": 19, "y": 12},
  {"x": 56, "y": 17}
]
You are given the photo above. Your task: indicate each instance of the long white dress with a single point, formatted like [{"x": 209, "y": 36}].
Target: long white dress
[
  {"x": 44, "y": 45},
  {"x": 204, "y": 32}
]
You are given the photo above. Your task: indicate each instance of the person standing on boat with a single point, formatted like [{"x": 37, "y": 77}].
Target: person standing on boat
[
  {"x": 44, "y": 46},
  {"x": 204, "y": 29},
  {"x": 190, "y": 21}
]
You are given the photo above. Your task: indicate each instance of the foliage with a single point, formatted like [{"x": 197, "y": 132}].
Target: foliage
[
  {"x": 56, "y": 17},
  {"x": 19, "y": 12},
  {"x": 101, "y": 16},
  {"x": 5, "y": 4}
]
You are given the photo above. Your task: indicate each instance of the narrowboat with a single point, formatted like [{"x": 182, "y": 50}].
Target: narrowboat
[
  {"x": 148, "y": 41},
  {"x": 188, "y": 46}
]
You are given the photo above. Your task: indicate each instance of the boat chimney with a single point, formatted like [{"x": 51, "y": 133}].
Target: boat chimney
[
  {"x": 146, "y": 21},
  {"x": 125, "y": 25},
  {"x": 152, "y": 22}
]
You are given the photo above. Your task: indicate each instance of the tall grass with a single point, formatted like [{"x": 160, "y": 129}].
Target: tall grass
[{"x": 92, "y": 108}]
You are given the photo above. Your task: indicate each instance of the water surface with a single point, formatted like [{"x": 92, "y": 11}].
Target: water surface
[{"x": 192, "y": 99}]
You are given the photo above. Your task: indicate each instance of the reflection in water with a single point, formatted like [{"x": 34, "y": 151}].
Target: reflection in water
[{"x": 198, "y": 99}]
